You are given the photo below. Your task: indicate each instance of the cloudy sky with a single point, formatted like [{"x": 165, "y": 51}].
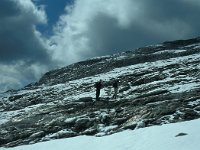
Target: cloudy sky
[{"x": 40, "y": 35}]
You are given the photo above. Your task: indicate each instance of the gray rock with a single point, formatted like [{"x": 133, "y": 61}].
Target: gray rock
[
  {"x": 82, "y": 123},
  {"x": 130, "y": 126},
  {"x": 125, "y": 88},
  {"x": 37, "y": 135},
  {"x": 181, "y": 134},
  {"x": 85, "y": 99},
  {"x": 197, "y": 108},
  {"x": 190, "y": 114}
]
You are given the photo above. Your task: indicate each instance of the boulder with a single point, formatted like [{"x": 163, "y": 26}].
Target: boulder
[{"x": 82, "y": 123}]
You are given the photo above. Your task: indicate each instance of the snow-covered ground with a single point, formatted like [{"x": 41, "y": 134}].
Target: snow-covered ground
[
  {"x": 188, "y": 83},
  {"x": 177, "y": 136}
]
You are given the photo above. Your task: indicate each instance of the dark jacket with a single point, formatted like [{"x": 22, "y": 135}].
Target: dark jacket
[
  {"x": 98, "y": 85},
  {"x": 115, "y": 84}
]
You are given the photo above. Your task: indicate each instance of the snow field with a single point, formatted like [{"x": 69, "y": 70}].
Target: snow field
[{"x": 151, "y": 138}]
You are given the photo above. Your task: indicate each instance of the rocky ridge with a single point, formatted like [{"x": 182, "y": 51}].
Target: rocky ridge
[{"x": 158, "y": 84}]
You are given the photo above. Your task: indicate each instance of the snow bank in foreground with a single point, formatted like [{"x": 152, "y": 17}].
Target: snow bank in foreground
[{"x": 151, "y": 138}]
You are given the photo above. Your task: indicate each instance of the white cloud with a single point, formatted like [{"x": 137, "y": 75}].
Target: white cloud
[
  {"x": 37, "y": 13},
  {"x": 71, "y": 39},
  {"x": 18, "y": 35},
  {"x": 9, "y": 78},
  {"x": 18, "y": 75},
  {"x": 96, "y": 27}
]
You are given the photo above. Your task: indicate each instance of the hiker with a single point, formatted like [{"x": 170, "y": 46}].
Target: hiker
[
  {"x": 98, "y": 86},
  {"x": 116, "y": 87}
]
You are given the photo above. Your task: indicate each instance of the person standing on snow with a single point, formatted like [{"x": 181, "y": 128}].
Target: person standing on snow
[
  {"x": 98, "y": 86},
  {"x": 116, "y": 87}
]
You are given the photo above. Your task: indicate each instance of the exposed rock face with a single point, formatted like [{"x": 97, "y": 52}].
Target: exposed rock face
[{"x": 158, "y": 84}]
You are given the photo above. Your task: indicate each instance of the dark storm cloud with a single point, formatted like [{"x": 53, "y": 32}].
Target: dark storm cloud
[
  {"x": 170, "y": 10},
  {"x": 7, "y": 9},
  {"x": 19, "y": 40},
  {"x": 108, "y": 37},
  {"x": 118, "y": 39},
  {"x": 24, "y": 54}
]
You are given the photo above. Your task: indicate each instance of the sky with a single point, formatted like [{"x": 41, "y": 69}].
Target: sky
[
  {"x": 163, "y": 137},
  {"x": 40, "y": 35}
]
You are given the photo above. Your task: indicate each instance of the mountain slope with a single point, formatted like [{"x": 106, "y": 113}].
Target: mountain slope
[{"x": 158, "y": 84}]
